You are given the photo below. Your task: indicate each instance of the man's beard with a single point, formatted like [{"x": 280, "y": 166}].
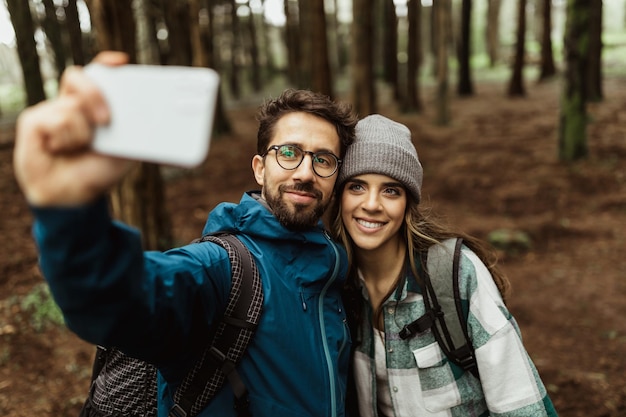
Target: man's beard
[{"x": 299, "y": 217}]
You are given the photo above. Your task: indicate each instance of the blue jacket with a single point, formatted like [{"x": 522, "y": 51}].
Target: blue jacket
[{"x": 159, "y": 306}]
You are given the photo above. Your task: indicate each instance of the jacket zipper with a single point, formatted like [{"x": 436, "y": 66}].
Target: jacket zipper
[{"x": 329, "y": 362}]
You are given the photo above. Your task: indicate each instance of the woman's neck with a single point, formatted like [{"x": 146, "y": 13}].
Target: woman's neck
[{"x": 380, "y": 269}]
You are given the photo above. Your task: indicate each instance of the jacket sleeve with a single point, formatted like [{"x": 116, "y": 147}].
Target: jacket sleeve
[
  {"x": 151, "y": 305},
  {"x": 510, "y": 381}
]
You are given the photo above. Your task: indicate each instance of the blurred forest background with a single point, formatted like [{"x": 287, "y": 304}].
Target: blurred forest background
[
  {"x": 339, "y": 47},
  {"x": 517, "y": 112}
]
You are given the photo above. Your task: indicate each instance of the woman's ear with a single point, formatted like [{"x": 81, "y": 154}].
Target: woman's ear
[{"x": 258, "y": 167}]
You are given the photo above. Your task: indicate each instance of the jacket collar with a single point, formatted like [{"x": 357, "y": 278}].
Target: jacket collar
[{"x": 253, "y": 217}]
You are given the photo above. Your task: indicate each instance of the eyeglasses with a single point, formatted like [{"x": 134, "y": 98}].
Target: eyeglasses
[{"x": 289, "y": 157}]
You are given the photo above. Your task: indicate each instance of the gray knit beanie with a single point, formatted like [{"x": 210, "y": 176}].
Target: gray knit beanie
[{"x": 382, "y": 146}]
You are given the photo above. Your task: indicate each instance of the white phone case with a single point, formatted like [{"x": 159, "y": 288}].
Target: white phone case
[{"x": 160, "y": 114}]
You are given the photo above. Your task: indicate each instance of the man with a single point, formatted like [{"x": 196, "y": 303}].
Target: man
[{"x": 159, "y": 307}]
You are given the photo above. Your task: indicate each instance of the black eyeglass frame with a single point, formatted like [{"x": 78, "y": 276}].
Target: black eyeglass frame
[{"x": 304, "y": 153}]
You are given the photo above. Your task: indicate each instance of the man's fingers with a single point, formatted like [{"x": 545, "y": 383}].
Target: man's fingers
[
  {"x": 59, "y": 126},
  {"x": 75, "y": 82},
  {"x": 68, "y": 129},
  {"x": 113, "y": 58}
]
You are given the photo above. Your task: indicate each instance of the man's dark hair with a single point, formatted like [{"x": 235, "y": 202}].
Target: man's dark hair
[{"x": 338, "y": 114}]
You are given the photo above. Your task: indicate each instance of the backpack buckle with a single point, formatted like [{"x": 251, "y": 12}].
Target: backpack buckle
[{"x": 177, "y": 411}]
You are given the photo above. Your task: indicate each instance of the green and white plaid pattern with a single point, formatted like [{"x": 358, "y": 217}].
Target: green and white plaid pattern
[{"x": 422, "y": 382}]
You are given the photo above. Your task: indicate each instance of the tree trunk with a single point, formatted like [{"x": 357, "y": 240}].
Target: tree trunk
[
  {"x": 292, "y": 34},
  {"x": 235, "y": 51},
  {"x": 139, "y": 200},
  {"x": 114, "y": 26},
  {"x": 199, "y": 52},
  {"x": 548, "y": 70},
  {"x": 343, "y": 41},
  {"x": 333, "y": 39},
  {"x": 305, "y": 29},
  {"x": 390, "y": 46},
  {"x": 493, "y": 33},
  {"x": 253, "y": 47},
  {"x": 176, "y": 16},
  {"x": 202, "y": 46},
  {"x": 573, "y": 118},
  {"x": 412, "y": 101},
  {"x": 363, "y": 89},
  {"x": 147, "y": 44},
  {"x": 321, "y": 80},
  {"x": 75, "y": 33},
  {"x": 27, "y": 50},
  {"x": 594, "y": 74},
  {"x": 434, "y": 33},
  {"x": 516, "y": 85},
  {"x": 52, "y": 28},
  {"x": 268, "y": 56},
  {"x": 442, "y": 25},
  {"x": 221, "y": 123},
  {"x": 465, "y": 87}
]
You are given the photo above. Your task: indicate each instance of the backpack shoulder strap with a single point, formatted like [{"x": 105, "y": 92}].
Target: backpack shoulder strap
[
  {"x": 441, "y": 282},
  {"x": 232, "y": 336}
]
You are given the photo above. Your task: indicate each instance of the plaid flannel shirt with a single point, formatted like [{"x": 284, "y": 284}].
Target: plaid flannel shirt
[{"x": 422, "y": 382}]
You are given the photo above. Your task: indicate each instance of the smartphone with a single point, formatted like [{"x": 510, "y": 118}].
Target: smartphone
[{"x": 160, "y": 114}]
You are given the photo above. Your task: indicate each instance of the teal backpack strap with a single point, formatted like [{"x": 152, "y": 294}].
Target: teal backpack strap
[{"x": 445, "y": 315}]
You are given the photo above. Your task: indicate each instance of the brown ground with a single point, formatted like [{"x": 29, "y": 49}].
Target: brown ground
[{"x": 495, "y": 167}]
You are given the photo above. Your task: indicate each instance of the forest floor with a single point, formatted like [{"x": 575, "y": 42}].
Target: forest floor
[{"x": 494, "y": 167}]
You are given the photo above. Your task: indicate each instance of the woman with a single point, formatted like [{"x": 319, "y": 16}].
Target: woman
[{"x": 379, "y": 220}]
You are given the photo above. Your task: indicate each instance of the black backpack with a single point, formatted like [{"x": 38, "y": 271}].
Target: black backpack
[
  {"x": 218, "y": 362},
  {"x": 445, "y": 315}
]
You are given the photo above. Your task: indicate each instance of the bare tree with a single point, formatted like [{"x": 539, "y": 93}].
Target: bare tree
[
  {"x": 390, "y": 46},
  {"x": 573, "y": 117},
  {"x": 51, "y": 26},
  {"x": 114, "y": 26},
  {"x": 147, "y": 43},
  {"x": 176, "y": 16},
  {"x": 235, "y": 51},
  {"x": 465, "y": 87},
  {"x": 305, "y": 29},
  {"x": 72, "y": 23},
  {"x": 292, "y": 34},
  {"x": 492, "y": 32},
  {"x": 253, "y": 47},
  {"x": 200, "y": 56},
  {"x": 594, "y": 74},
  {"x": 363, "y": 90},
  {"x": 207, "y": 58},
  {"x": 333, "y": 28},
  {"x": 442, "y": 22},
  {"x": 343, "y": 40},
  {"x": 411, "y": 100},
  {"x": 516, "y": 84},
  {"x": 202, "y": 45},
  {"x": 314, "y": 62},
  {"x": 22, "y": 20},
  {"x": 548, "y": 69}
]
